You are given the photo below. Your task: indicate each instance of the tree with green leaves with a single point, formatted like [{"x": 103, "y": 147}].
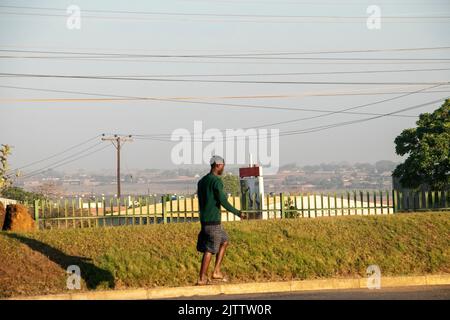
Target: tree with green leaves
[
  {"x": 20, "y": 194},
  {"x": 231, "y": 184},
  {"x": 427, "y": 148},
  {"x": 5, "y": 181}
]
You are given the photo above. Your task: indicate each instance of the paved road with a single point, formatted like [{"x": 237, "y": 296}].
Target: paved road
[{"x": 400, "y": 293}]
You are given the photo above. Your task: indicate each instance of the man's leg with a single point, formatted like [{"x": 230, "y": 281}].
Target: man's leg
[
  {"x": 219, "y": 258},
  {"x": 204, "y": 267}
]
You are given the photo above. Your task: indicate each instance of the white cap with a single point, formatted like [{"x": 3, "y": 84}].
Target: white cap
[{"x": 217, "y": 160}]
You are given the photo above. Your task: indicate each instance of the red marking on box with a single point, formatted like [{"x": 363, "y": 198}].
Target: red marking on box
[{"x": 249, "y": 172}]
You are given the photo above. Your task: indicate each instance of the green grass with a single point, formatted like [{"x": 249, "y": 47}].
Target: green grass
[{"x": 165, "y": 255}]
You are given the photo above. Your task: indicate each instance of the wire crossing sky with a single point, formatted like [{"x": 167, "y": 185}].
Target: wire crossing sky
[{"x": 151, "y": 67}]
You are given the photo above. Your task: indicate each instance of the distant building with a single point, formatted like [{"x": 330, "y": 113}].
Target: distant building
[{"x": 71, "y": 182}]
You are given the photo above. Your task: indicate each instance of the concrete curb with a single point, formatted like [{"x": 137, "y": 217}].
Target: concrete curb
[{"x": 245, "y": 288}]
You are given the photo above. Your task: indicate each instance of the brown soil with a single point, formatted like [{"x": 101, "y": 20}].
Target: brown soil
[
  {"x": 24, "y": 271},
  {"x": 17, "y": 218},
  {"x": 2, "y": 215}
]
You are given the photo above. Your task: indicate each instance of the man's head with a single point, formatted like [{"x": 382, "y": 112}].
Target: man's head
[{"x": 217, "y": 165}]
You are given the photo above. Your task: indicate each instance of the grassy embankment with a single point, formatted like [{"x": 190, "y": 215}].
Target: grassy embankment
[{"x": 165, "y": 255}]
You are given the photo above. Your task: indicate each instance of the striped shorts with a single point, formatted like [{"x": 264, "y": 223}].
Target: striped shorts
[{"x": 210, "y": 238}]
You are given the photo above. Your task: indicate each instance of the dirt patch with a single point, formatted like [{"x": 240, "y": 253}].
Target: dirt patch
[
  {"x": 26, "y": 272},
  {"x": 18, "y": 218},
  {"x": 2, "y": 215}
]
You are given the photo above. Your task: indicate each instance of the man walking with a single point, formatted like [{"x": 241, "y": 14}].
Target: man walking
[{"x": 212, "y": 238}]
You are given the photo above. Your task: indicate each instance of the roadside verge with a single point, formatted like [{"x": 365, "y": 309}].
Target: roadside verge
[{"x": 244, "y": 288}]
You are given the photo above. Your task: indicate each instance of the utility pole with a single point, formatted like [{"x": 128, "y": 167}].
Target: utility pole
[{"x": 117, "y": 142}]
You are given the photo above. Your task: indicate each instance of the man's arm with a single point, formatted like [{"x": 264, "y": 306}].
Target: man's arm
[{"x": 221, "y": 196}]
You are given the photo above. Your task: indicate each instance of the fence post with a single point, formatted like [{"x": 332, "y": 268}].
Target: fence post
[
  {"x": 148, "y": 209},
  {"x": 381, "y": 201},
  {"x": 133, "y": 209},
  {"x": 321, "y": 204},
  {"x": 89, "y": 213},
  {"x": 445, "y": 198},
  {"x": 163, "y": 208},
  {"x": 388, "y": 203},
  {"x": 301, "y": 204},
  {"x": 420, "y": 204},
  {"x": 361, "y": 199},
  {"x": 349, "y": 211},
  {"x": 335, "y": 203},
  {"x": 36, "y": 213},
  {"x": 282, "y": 205},
  {"x": 394, "y": 202},
  {"x": 140, "y": 209},
  {"x": 315, "y": 206},
  {"x": 65, "y": 213},
  {"x": 375, "y": 202},
  {"x": 309, "y": 205},
  {"x": 433, "y": 200}
]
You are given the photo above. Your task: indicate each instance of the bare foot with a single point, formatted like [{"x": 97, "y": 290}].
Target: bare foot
[
  {"x": 219, "y": 276},
  {"x": 203, "y": 282}
]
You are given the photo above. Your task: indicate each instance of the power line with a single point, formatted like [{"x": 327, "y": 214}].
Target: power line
[
  {"x": 141, "y": 59},
  {"x": 351, "y": 108},
  {"x": 103, "y": 100},
  {"x": 66, "y": 158},
  {"x": 246, "y": 62},
  {"x": 230, "y": 105},
  {"x": 210, "y": 51},
  {"x": 321, "y": 128},
  {"x": 236, "y": 54},
  {"x": 156, "y": 138},
  {"x": 113, "y": 77},
  {"x": 201, "y": 14},
  {"x": 358, "y": 92},
  {"x": 286, "y": 133},
  {"x": 339, "y": 124},
  {"x": 256, "y": 56},
  {"x": 67, "y": 162},
  {"x": 62, "y": 162},
  {"x": 187, "y": 101},
  {"x": 208, "y": 103},
  {"x": 56, "y": 154},
  {"x": 335, "y": 112},
  {"x": 220, "y": 81},
  {"x": 162, "y": 138},
  {"x": 264, "y": 20},
  {"x": 308, "y": 3}
]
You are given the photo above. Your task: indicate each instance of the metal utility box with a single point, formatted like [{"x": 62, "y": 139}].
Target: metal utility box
[{"x": 252, "y": 190}]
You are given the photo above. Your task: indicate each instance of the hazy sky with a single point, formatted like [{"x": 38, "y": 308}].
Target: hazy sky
[{"x": 38, "y": 129}]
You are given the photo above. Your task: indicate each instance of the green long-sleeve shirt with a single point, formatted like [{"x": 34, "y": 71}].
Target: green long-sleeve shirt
[{"x": 210, "y": 198}]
